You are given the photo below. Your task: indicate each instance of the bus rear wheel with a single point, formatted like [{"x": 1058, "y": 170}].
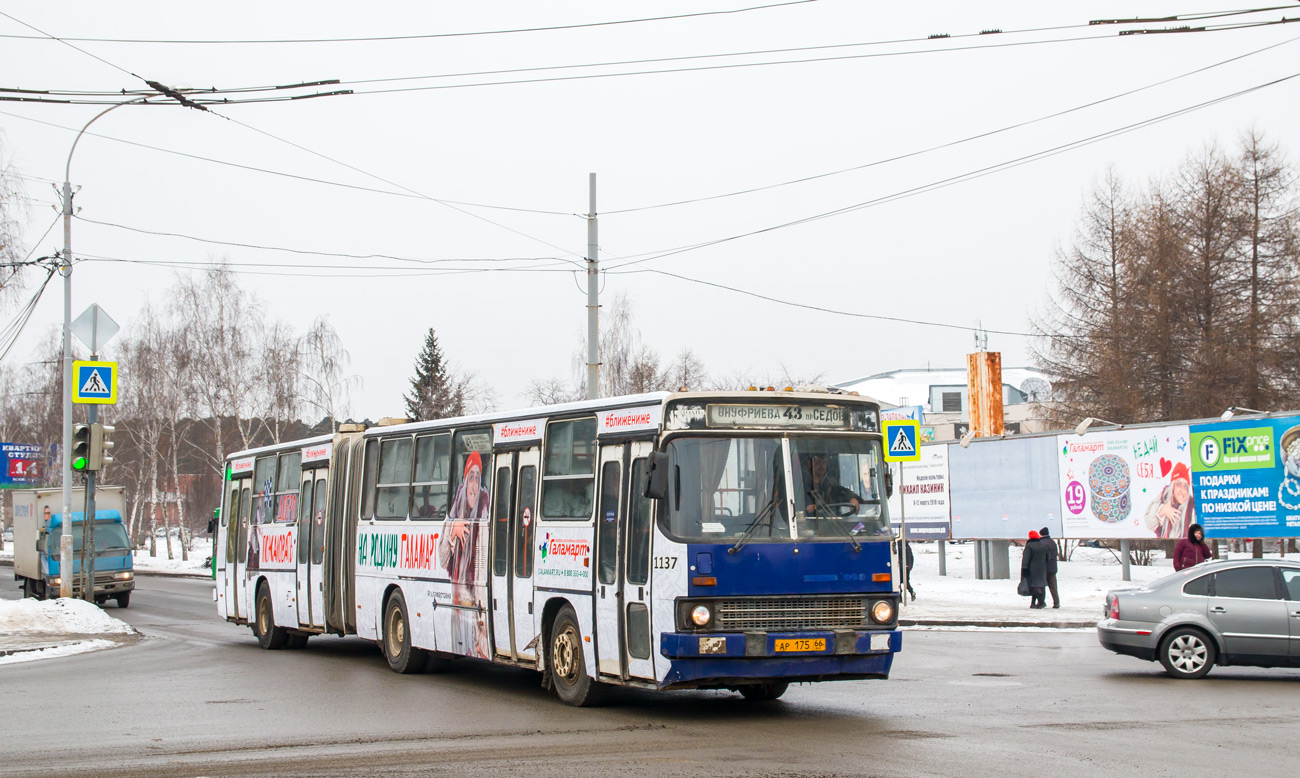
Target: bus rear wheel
[
  {"x": 269, "y": 636},
  {"x": 568, "y": 668},
  {"x": 764, "y": 692},
  {"x": 401, "y": 655}
]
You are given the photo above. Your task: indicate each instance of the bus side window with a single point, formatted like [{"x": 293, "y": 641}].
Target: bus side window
[
  {"x": 607, "y": 523},
  {"x": 501, "y": 522},
  {"x": 393, "y": 496},
  {"x": 318, "y": 514},
  {"x": 304, "y": 519},
  {"x": 638, "y": 529},
  {"x": 263, "y": 490},
  {"x": 286, "y": 491},
  {"x": 526, "y": 515},
  {"x": 429, "y": 488},
  {"x": 368, "y": 480},
  {"x": 569, "y": 477}
]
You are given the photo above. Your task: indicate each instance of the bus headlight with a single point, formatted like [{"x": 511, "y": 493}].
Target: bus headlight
[
  {"x": 701, "y": 615},
  {"x": 882, "y": 611}
]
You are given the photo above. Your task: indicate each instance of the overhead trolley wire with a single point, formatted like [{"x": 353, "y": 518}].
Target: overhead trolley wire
[
  {"x": 950, "y": 144},
  {"x": 956, "y": 179},
  {"x": 429, "y": 36}
]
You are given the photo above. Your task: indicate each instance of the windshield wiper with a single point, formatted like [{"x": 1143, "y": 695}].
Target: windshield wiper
[
  {"x": 835, "y": 520},
  {"x": 767, "y": 512}
]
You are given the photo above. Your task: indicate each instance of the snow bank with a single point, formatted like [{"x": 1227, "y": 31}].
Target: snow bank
[
  {"x": 67, "y": 649},
  {"x": 57, "y": 617}
]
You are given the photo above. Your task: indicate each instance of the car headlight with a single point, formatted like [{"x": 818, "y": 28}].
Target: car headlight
[
  {"x": 56, "y": 580},
  {"x": 882, "y": 611},
  {"x": 701, "y": 615},
  {"x": 128, "y": 575}
]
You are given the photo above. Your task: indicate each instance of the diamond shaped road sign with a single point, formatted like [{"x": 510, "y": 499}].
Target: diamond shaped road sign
[{"x": 94, "y": 327}]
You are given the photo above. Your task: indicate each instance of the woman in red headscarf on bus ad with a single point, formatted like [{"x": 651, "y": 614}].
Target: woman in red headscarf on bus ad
[{"x": 462, "y": 555}]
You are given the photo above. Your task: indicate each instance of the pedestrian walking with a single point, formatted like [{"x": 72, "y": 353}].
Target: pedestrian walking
[
  {"x": 907, "y": 579},
  {"x": 1050, "y": 546},
  {"x": 1191, "y": 550},
  {"x": 1033, "y": 571}
]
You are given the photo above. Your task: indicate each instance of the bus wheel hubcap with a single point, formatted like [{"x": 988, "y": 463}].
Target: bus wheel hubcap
[
  {"x": 566, "y": 665},
  {"x": 396, "y": 633}
]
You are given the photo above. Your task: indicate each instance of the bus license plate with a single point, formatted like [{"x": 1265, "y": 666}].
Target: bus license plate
[{"x": 801, "y": 644}]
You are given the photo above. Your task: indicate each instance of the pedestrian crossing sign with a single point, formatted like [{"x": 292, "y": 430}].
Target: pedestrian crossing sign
[
  {"x": 902, "y": 440},
  {"x": 94, "y": 383}
]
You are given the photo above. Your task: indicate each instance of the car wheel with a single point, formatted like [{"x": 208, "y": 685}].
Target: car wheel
[
  {"x": 764, "y": 692},
  {"x": 1187, "y": 652},
  {"x": 269, "y": 636},
  {"x": 568, "y": 668},
  {"x": 123, "y": 600},
  {"x": 401, "y": 655}
]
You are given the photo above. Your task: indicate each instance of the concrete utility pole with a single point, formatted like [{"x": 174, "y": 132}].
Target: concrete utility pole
[
  {"x": 593, "y": 298},
  {"x": 65, "y": 539}
]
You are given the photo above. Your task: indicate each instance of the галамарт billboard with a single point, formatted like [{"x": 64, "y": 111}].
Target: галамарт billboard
[
  {"x": 1127, "y": 483},
  {"x": 1247, "y": 477}
]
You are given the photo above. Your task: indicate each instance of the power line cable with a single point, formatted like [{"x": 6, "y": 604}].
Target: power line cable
[
  {"x": 69, "y": 45},
  {"x": 426, "y": 36},
  {"x": 344, "y": 255},
  {"x": 282, "y": 174},
  {"x": 960, "y": 178},
  {"x": 312, "y": 270},
  {"x": 950, "y": 144},
  {"x": 9, "y": 336}
]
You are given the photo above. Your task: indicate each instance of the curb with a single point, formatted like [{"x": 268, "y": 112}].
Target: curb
[
  {"x": 119, "y": 639},
  {"x": 996, "y": 624}
]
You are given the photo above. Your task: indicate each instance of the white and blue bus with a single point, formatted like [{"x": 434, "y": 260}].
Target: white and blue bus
[{"x": 733, "y": 540}]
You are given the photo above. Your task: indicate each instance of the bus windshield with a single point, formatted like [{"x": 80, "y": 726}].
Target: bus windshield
[{"x": 720, "y": 488}]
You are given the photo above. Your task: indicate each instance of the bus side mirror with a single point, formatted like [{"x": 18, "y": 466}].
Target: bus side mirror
[
  {"x": 889, "y": 483},
  {"x": 212, "y": 522},
  {"x": 656, "y": 479}
]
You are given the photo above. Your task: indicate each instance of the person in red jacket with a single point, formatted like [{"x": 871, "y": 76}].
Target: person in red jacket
[{"x": 1192, "y": 549}]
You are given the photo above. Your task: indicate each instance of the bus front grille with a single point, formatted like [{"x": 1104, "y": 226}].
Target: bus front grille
[{"x": 781, "y": 614}]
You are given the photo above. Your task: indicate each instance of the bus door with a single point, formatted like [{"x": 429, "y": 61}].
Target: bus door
[
  {"x": 514, "y": 505},
  {"x": 237, "y": 557},
  {"x": 502, "y": 531},
  {"x": 522, "y": 550},
  {"x": 623, "y": 564},
  {"x": 222, "y": 545},
  {"x": 310, "y": 596}
]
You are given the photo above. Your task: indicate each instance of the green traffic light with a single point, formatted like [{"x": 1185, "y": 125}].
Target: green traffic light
[{"x": 79, "y": 463}]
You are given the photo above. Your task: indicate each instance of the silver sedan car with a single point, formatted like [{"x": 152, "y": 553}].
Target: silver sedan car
[{"x": 1236, "y": 612}]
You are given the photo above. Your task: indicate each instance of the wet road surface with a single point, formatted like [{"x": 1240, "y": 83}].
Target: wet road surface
[{"x": 197, "y": 697}]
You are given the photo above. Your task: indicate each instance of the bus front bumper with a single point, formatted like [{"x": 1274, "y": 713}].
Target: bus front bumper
[{"x": 712, "y": 660}]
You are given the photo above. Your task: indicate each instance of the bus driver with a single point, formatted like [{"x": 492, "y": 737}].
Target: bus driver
[{"x": 824, "y": 490}]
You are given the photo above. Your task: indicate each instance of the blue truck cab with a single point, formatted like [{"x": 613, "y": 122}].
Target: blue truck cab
[{"x": 38, "y": 526}]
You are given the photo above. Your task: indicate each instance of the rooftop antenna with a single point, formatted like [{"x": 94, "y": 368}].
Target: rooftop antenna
[{"x": 981, "y": 337}]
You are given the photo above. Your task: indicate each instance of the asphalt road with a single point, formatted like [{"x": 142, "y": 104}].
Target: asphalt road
[{"x": 198, "y": 698}]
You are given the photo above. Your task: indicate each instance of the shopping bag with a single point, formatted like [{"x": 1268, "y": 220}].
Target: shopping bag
[{"x": 1023, "y": 588}]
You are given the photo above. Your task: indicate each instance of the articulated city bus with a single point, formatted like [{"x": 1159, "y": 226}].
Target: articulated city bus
[{"x": 673, "y": 541}]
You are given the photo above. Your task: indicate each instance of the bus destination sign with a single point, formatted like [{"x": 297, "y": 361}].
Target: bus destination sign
[{"x": 817, "y": 416}]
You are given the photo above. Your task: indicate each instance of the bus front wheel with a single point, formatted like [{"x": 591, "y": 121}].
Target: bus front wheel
[{"x": 568, "y": 668}]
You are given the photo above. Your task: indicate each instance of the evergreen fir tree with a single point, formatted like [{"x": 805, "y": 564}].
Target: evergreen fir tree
[{"x": 434, "y": 393}]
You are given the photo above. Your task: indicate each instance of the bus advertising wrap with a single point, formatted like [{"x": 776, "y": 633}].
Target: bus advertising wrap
[
  {"x": 921, "y": 495},
  {"x": 1246, "y": 477},
  {"x": 1126, "y": 483}
]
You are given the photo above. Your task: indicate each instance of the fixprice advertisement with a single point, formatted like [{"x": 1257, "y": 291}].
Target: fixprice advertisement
[
  {"x": 1127, "y": 483},
  {"x": 1246, "y": 477}
]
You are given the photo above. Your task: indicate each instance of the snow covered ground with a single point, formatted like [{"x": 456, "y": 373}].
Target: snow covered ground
[
  {"x": 959, "y": 596},
  {"x": 39, "y": 630}
]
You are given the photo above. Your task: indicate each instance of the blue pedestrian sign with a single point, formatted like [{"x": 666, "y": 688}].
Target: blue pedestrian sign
[
  {"x": 94, "y": 383},
  {"x": 902, "y": 440}
]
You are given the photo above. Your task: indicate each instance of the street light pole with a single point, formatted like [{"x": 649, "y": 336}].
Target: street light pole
[{"x": 65, "y": 539}]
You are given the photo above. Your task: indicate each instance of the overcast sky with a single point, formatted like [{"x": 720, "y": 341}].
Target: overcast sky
[{"x": 976, "y": 250}]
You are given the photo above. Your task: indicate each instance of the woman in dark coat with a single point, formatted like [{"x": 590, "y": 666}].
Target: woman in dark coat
[
  {"x": 1033, "y": 570},
  {"x": 1191, "y": 550}
]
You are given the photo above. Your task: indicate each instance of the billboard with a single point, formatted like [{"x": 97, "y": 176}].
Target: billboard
[
  {"x": 21, "y": 465},
  {"x": 1246, "y": 477},
  {"x": 1004, "y": 488},
  {"x": 1127, "y": 483},
  {"x": 921, "y": 495}
]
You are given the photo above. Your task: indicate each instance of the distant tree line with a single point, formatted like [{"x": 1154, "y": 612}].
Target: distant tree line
[{"x": 1180, "y": 298}]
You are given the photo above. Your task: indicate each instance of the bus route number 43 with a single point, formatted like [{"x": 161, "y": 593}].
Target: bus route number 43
[{"x": 665, "y": 562}]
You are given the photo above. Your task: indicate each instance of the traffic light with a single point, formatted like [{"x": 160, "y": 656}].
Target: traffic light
[
  {"x": 100, "y": 446},
  {"x": 81, "y": 448}
]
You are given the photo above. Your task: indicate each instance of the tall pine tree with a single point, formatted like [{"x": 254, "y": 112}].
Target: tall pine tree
[{"x": 434, "y": 393}]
